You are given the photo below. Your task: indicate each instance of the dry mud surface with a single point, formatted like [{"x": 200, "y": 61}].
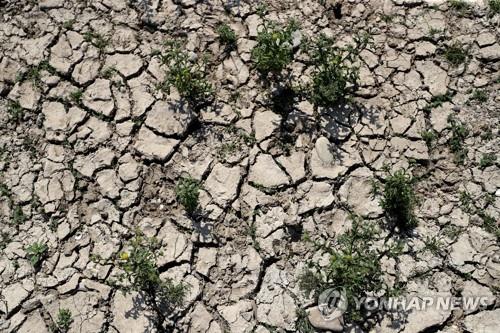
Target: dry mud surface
[{"x": 93, "y": 155}]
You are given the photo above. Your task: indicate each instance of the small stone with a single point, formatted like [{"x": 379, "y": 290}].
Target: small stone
[
  {"x": 266, "y": 172},
  {"x": 265, "y": 123},
  {"x": 483, "y": 322},
  {"x": 425, "y": 49},
  {"x": 490, "y": 53},
  {"x": 153, "y": 146},
  {"x": 318, "y": 321},
  {"x": 123, "y": 305},
  {"x": 98, "y": 97},
  {"x": 127, "y": 64},
  {"x": 170, "y": 117},
  {"x": 434, "y": 77},
  {"x": 222, "y": 183}
]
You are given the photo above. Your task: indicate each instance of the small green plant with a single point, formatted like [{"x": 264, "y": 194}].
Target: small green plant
[
  {"x": 5, "y": 239},
  {"x": 437, "y": 101},
  {"x": 399, "y": 200},
  {"x": 187, "y": 193},
  {"x": 227, "y": 35},
  {"x": 458, "y": 135},
  {"x": 494, "y": 6},
  {"x": 466, "y": 202},
  {"x": 456, "y": 54},
  {"x": 36, "y": 253},
  {"x": 4, "y": 191},
  {"x": 434, "y": 33},
  {"x": 188, "y": 77},
  {"x": 262, "y": 9},
  {"x": 64, "y": 320},
  {"x": 95, "y": 39},
  {"x": 334, "y": 77},
  {"x": 108, "y": 72},
  {"x": 15, "y": 111},
  {"x": 433, "y": 245},
  {"x": 274, "y": 50},
  {"x": 460, "y": 6},
  {"x": 487, "y": 135},
  {"x": 68, "y": 25},
  {"x": 76, "y": 96},
  {"x": 302, "y": 324},
  {"x": 487, "y": 160},
  {"x": 479, "y": 96},
  {"x": 354, "y": 267},
  {"x": 141, "y": 274},
  {"x": 18, "y": 216},
  {"x": 429, "y": 137},
  {"x": 490, "y": 224},
  {"x": 387, "y": 18},
  {"x": 34, "y": 73}
]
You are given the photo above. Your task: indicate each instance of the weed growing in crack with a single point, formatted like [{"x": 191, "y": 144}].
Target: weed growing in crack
[
  {"x": 96, "y": 39},
  {"x": 490, "y": 224},
  {"x": 187, "y": 193},
  {"x": 36, "y": 253},
  {"x": 34, "y": 73},
  {"x": 334, "y": 76},
  {"x": 387, "y": 18},
  {"x": 429, "y": 137},
  {"x": 433, "y": 245},
  {"x": 141, "y": 274},
  {"x": 479, "y": 96},
  {"x": 452, "y": 232},
  {"x": 64, "y": 320},
  {"x": 437, "y": 101},
  {"x": 4, "y": 191},
  {"x": 487, "y": 160},
  {"x": 227, "y": 35},
  {"x": 187, "y": 76},
  {"x": 15, "y": 111},
  {"x": 108, "y": 72},
  {"x": 274, "y": 49},
  {"x": 466, "y": 202},
  {"x": 456, "y": 54},
  {"x": 354, "y": 266},
  {"x": 459, "y": 132},
  {"x": 460, "y": 6},
  {"x": 494, "y": 6},
  {"x": 18, "y": 216},
  {"x": 76, "y": 96},
  {"x": 302, "y": 324},
  {"x": 68, "y": 25},
  {"x": 399, "y": 200},
  {"x": 5, "y": 240}
]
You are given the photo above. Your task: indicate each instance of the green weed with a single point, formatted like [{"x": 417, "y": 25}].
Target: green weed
[
  {"x": 494, "y": 6},
  {"x": 487, "y": 160},
  {"x": 64, "y": 320},
  {"x": 334, "y": 77},
  {"x": 187, "y": 193},
  {"x": 459, "y": 132},
  {"x": 15, "y": 111},
  {"x": 399, "y": 200},
  {"x": 227, "y": 35},
  {"x": 188, "y": 77},
  {"x": 456, "y": 54},
  {"x": 479, "y": 95},
  {"x": 273, "y": 51},
  {"x": 141, "y": 274},
  {"x": 36, "y": 253},
  {"x": 353, "y": 266}
]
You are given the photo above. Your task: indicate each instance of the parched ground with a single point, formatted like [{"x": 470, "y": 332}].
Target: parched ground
[{"x": 90, "y": 154}]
